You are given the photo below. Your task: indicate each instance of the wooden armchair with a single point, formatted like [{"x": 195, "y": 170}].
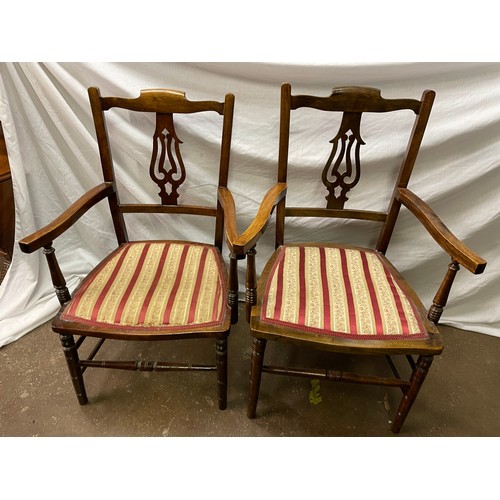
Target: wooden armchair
[
  {"x": 148, "y": 290},
  {"x": 348, "y": 299}
]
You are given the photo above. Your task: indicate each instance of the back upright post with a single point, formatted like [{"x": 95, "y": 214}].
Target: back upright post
[
  {"x": 107, "y": 163},
  {"x": 406, "y": 170},
  {"x": 286, "y": 104}
]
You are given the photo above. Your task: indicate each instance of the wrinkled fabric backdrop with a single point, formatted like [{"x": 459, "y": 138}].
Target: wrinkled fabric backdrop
[{"x": 53, "y": 153}]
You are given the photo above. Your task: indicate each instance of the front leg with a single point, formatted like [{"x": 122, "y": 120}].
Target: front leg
[
  {"x": 221, "y": 360},
  {"x": 417, "y": 379},
  {"x": 251, "y": 287},
  {"x": 232, "y": 294},
  {"x": 259, "y": 347},
  {"x": 75, "y": 370}
]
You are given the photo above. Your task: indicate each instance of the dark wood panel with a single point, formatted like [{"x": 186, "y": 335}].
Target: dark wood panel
[{"x": 6, "y": 206}]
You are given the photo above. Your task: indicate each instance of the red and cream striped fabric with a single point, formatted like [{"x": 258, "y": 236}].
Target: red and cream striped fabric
[
  {"x": 153, "y": 284},
  {"x": 341, "y": 292}
]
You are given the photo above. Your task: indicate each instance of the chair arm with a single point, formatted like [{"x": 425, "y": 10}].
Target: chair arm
[
  {"x": 241, "y": 244},
  {"x": 47, "y": 234},
  {"x": 443, "y": 236},
  {"x": 226, "y": 200}
]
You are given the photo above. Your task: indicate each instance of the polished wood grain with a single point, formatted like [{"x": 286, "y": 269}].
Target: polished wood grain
[
  {"x": 345, "y": 151},
  {"x": 58, "y": 226},
  {"x": 441, "y": 234},
  {"x": 226, "y": 202},
  {"x": 242, "y": 243},
  {"x": 354, "y": 99},
  {"x": 150, "y": 208},
  {"x": 168, "y": 171},
  {"x": 412, "y": 149},
  {"x": 56, "y": 275},
  {"x": 161, "y": 101},
  {"x": 251, "y": 283},
  {"x": 353, "y": 102},
  {"x": 441, "y": 297},
  {"x": 7, "y": 209},
  {"x": 335, "y": 213},
  {"x": 166, "y": 149}
]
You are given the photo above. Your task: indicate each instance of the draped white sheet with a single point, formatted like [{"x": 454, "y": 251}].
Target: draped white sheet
[{"x": 53, "y": 154}]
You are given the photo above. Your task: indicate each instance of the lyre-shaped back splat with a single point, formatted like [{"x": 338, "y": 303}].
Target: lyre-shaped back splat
[
  {"x": 168, "y": 180},
  {"x": 339, "y": 183}
]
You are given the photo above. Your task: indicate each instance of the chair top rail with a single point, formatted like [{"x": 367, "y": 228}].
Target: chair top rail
[
  {"x": 162, "y": 101},
  {"x": 355, "y": 100}
]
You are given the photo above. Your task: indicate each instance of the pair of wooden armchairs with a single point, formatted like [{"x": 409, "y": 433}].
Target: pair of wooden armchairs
[{"x": 338, "y": 298}]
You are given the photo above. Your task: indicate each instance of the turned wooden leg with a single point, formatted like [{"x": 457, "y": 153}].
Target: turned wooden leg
[
  {"x": 56, "y": 275},
  {"x": 443, "y": 293},
  {"x": 221, "y": 359},
  {"x": 417, "y": 379},
  {"x": 251, "y": 287},
  {"x": 259, "y": 347},
  {"x": 232, "y": 293},
  {"x": 71, "y": 355}
]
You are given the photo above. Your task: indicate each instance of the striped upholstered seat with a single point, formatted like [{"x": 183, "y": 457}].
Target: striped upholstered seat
[
  {"x": 342, "y": 292},
  {"x": 153, "y": 285}
]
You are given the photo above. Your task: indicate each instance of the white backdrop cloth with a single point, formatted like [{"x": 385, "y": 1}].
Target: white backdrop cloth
[{"x": 52, "y": 149}]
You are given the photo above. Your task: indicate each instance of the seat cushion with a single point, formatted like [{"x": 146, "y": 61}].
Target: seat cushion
[
  {"x": 167, "y": 285},
  {"x": 343, "y": 292}
]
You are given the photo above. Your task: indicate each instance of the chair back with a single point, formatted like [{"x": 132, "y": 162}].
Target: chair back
[
  {"x": 166, "y": 165},
  {"x": 343, "y": 168}
]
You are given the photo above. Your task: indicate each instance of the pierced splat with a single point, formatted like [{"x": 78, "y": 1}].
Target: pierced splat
[
  {"x": 340, "y": 181},
  {"x": 166, "y": 147}
]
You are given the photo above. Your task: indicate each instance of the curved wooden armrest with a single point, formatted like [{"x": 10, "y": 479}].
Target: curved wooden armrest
[
  {"x": 227, "y": 202},
  {"x": 443, "y": 236},
  {"x": 241, "y": 244},
  {"x": 51, "y": 231}
]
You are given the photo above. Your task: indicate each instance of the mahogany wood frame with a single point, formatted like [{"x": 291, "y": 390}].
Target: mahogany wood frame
[
  {"x": 166, "y": 103},
  {"x": 354, "y": 100},
  {"x": 7, "y": 210}
]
